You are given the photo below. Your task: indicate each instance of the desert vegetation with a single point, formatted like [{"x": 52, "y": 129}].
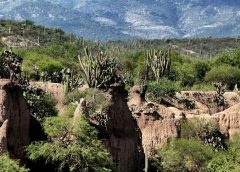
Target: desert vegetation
[
  {"x": 88, "y": 71},
  {"x": 201, "y": 148}
]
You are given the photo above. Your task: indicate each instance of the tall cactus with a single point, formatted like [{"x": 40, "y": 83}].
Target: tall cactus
[
  {"x": 99, "y": 70},
  {"x": 66, "y": 73},
  {"x": 159, "y": 61}
]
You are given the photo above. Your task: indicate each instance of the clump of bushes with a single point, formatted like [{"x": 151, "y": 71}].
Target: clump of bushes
[
  {"x": 73, "y": 97},
  {"x": 228, "y": 75},
  {"x": 73, "y": 146},
  {"x": 40, "y": 103},
  {"x": 187, "y": 103},
  {"x": 9, "y": 165},
  {"x": 182, "y": 155},
  {"x": 164, "y": 87},
  {"x": 228, "y": 160},
  {"x": 203, "y": 130}
]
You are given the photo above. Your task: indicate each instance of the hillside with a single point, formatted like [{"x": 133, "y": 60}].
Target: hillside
[
  {"x": 27, "y": 34},
  {"x": 135, "y": 19},
  {"x": 76, "y": 105}
]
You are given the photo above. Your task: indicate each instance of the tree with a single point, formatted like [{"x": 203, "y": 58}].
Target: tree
[
  {"x": 226, "y": 74},
  {"x": 183, "y": 72},
  {"x": 201, "y": 68},
  {"x": 73, "y": 144}
]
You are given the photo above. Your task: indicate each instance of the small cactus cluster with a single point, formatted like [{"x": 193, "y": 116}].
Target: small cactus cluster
[
  {"x": 69, "y": 80},
  {"x": 99, "y": 70},
  {"x": 12, "y": 65},
  {"x": 159, "y": 61}
]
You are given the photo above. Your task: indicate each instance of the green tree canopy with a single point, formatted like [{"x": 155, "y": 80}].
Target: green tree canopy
[
  {"x": 226, "y": 74},
  {"x": 74, "y": 145},
  {"x": 183, "y": 155}
]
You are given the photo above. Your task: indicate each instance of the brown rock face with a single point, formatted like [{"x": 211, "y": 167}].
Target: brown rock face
[
  {"x": 157, "y": 123},
  {"x": 229, "y": 120},
  {"x": 14, "y": 120},
  {"x": 124, "y": 135},
  {"x": 119, "y": 131}
]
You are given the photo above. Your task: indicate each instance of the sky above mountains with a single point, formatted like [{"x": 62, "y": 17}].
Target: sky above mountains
[{"x": 129, "y": 19}]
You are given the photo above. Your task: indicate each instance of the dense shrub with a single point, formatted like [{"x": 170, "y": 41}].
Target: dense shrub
[
  {"x": 226, "y": 74},
  {"x": 229, "y": 58},
  {"x": 227, "y": 161},
  {"x": 133, "y": 62},
  {"x": 203, "y": 130},
  {"x": 185, "y": 73},
  {"x": 73, "y": 145},
  {"x": 201, "y": 68},
  {"x": 8, "y": 165},
  {"x": 182, "y": 155},
  {"x": 157, "y": 90}
]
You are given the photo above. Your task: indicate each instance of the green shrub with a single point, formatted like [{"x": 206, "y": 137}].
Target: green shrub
[
  {"x": 40, "y": 103},
  {"x": 185, "y": 73},
  {"x": 204, "y": 130},
  {"x": 157, "y": 90},
  {"x": 182, "y": 155},
  {"x": 187, "y": 103},
  {"x": 227, "y": 161},
  {"x": 201, "y": 68},
  {"x": 43, "y": 62},
  {"x": 8, "y": 165},
  {"x": 229, "y": 58},
  {"x": 73, "y": 145},
  {"x": 3, "y": 71},
  {"x": 226, "y": 74}
]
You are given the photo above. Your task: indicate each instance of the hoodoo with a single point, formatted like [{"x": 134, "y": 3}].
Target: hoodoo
[{"x": 14, "y": 120}]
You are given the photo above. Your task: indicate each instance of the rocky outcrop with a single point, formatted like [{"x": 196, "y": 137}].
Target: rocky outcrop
[
  {"x": 124, "y": 135},
  {"x": 229, "y": 121},
  {"x": 205, "y": 100},
  {"x": 157, "y": 123},
  {"x": 14, "y": 120},
  {"x": 118, "y": 130}
]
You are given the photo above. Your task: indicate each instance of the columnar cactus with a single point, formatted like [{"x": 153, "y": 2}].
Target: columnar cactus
[
  {"x": 159, "y": 61},
  {"x": 66, "y": 73},
  {"x": 219, "y": 96},
  {"x": 99, "y": 70}
]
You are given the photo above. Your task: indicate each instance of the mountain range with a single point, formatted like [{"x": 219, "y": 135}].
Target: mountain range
[{"x": 130, "y": 19}]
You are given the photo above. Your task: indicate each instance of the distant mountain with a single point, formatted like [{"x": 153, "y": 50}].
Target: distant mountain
[{"x": 121, "y": 19}]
